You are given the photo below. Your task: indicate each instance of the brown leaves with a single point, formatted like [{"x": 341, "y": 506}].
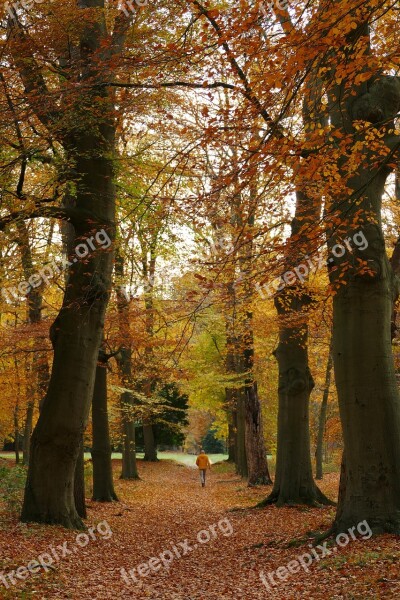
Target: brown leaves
[{"x": 168, "y": 506}]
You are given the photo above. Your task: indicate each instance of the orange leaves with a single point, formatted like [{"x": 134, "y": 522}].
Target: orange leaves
[
  {"x": 213, "y": 14},
  {"x": 167, "y": 506}
]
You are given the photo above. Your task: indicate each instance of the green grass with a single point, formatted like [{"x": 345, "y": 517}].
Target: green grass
[{"x": 186, "y": 459}]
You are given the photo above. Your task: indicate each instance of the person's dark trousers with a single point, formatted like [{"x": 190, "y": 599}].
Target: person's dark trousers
[{"x": 203, "y": 477}]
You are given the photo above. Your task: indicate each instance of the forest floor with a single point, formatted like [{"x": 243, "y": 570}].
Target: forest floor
[{"x": 206, "y": 543}]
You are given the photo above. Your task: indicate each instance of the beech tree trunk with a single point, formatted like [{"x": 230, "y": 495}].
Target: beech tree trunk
[
  {"x": 256, "y": 454},
  {"x": 103, "y": 484},
  {"x": 241, "y": 453},
  {"x": 251, "y": 456},
  {"x": 77, "y": 331},
  {"x": 16, "y": 433},
  {"x": 322, "y": 417},
  {"x": 129, "y": 464},
  {"x": 294, "y": 483},
  {"x": 395, "y": 264},
  {"x": 258, "y": 473},
  {"x": 84, "y": 124},
  {"x": 149, "y": 258},
  {"x": 79, "y": 483},
  {"x": 28, "y": 432},
  {"x": 234, "y": 395},
  {"x": 365, "y": 377},
  {"x": 235, "y": 403},
  {"x": 368, "y": 397},
  {"x": 232, "y": 432},
  {"x": 124, "y": 360},
  {"x": 150, "y": 450}
]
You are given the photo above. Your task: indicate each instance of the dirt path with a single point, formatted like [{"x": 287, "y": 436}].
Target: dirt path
[{"x": 207, "y": 551}]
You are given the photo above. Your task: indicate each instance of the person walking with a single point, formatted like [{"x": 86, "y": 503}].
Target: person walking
[{"x": 203, "y": 462}]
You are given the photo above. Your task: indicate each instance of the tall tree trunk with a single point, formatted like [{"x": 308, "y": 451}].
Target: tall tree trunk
[
  {"x": 28, "y": 432},
  {"x": 150, "y": 450},
  {"x": 79, "y": 483},
  {"x": 149, "y": 269},
  {"x": 294, "y": 483},
  {"x": 395, "y": 264},
  {"x": 258, "y": 472},
  {"x": 257, "y": 466},
  {"x": 86, "y": 128},
  {"x": 103, "y": 485},
  {"x": 368, "y": 395},
  {"x": 234, "y": 394},
  {"x": 124, "y": 360},
  {"x": 76, "y": 335},
  {"x": 322, "y": 417},
  {"x": 235, "y": 403},
  {"x": 241, "y": 448},
  {"x": 16, "y": 433},
  {"x": 232, "y": 431},
  {"x": 251, "y": 459},
  {"x": 129, "y": 463}
]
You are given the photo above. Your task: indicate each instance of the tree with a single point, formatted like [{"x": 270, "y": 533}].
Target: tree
[
  {"x": 172, "y": 416},
  {"x": 124, "y": 361},
  {"x": 363, "y": 102},
  {"x": 86, "y": 131},
  {"x": 103, "y": 485},
  {"x": 211, "y": 444},
  {"x": 322, "y": 416}
]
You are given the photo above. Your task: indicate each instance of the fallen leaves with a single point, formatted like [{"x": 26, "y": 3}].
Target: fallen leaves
[{"x": 167, "y": 506}]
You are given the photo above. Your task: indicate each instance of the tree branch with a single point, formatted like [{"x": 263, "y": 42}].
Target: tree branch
[
  {"x": 170, "y": 84},
  {"x": 248, "y": 92},
  {"x": 30, "y": 73},
  {"x": 76, "y": 216}
]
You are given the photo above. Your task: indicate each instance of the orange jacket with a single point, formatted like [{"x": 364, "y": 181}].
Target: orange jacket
[{"x": 202, "y": 461}]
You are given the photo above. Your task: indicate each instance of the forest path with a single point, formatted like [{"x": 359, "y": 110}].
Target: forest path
[{"x": 222, "y": 551}]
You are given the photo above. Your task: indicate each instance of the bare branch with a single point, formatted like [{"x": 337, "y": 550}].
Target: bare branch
[
  {"x": 73, "y": 215},
  {"x": 248, "y": 92},
  {"x": 170, "y": 84}
]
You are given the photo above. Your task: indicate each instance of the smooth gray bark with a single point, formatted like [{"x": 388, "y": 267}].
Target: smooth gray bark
[
  {"x": 77, "y": 331},
  {"x": 103, "y": 484},
  {"x": 322, "y": 418},
  {"x": 365, "y": 377}
]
